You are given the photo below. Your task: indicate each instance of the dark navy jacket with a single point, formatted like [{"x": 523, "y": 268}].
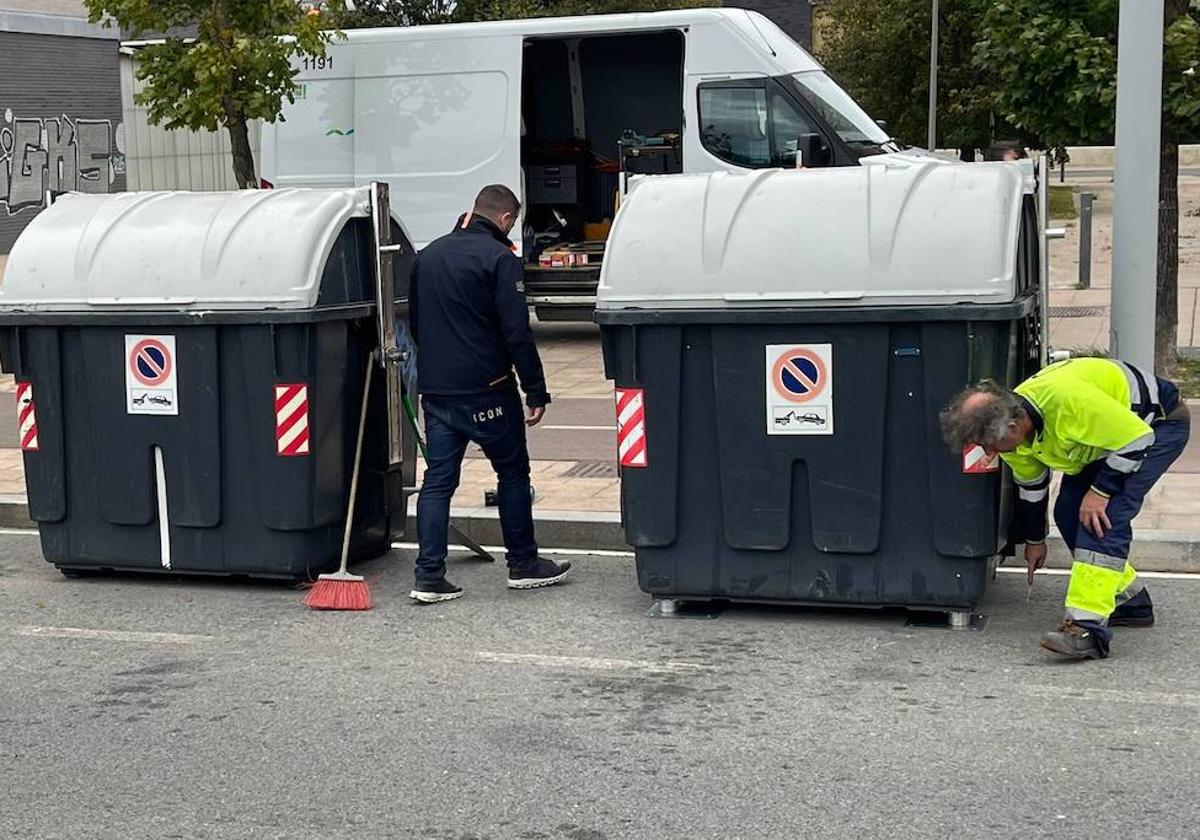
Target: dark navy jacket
[{"x": 468, "y": 318}]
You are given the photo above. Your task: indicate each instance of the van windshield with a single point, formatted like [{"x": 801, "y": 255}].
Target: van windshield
[{"x": 842, "y": 113}]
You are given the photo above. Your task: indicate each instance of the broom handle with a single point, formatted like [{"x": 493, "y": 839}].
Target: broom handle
[{"x": 362, "y": 426}]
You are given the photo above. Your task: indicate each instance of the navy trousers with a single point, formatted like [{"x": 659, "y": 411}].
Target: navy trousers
[{"x": 496, "y": 422}]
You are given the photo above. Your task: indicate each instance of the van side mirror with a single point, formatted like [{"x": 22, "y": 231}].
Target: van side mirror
[{"x": 813, "y": 151}]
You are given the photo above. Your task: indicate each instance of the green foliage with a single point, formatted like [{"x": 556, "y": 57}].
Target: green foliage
[
  {"x": 237, "y": 69},
  {"x": 879, "y": 51},
  {"x": 505, "y": 9},
  {"x": 1055, "y": 67},
  {"x": 395, "y": 13},
  {"x": 421, "y": 12},
  {"x": 1055, "y": 62}
]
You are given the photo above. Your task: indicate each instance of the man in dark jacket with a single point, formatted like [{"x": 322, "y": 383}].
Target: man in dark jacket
[{"x": 470, "y": 324}]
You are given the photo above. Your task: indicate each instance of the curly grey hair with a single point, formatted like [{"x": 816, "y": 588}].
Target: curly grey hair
[{"x": 986, "y": 422}]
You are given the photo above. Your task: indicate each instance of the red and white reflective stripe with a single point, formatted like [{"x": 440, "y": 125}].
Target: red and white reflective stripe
[
  {"x": 27, "y": 417},
  {"x": 291, "y": 419},
  {"x": 975, "y": 461},
  {"x": 631, "y": 427}
]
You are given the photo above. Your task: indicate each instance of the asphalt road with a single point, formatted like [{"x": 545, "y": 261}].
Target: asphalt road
[{"x": 134, "y": 708}]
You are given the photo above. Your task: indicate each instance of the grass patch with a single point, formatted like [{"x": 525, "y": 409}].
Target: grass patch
[
  {"x": 1062, "y": 203},
  {"x": 1187, "y": 377}
]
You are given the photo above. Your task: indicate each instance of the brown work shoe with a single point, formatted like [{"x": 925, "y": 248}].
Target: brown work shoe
[{"x": 1073, "y": 641}]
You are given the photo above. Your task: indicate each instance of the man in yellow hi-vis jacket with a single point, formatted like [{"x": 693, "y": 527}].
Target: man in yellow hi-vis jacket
[{"x": 1112, "y": 429}]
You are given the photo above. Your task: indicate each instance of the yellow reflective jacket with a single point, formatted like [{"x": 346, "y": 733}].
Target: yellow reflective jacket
[{"x": 1084, "y": 412}]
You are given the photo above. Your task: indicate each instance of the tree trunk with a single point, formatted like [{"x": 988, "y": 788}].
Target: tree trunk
[
  {"x": 243, "y": 156},
  {"x": 1166, "y": 322},
  {"x": 1166, "y": 327}
]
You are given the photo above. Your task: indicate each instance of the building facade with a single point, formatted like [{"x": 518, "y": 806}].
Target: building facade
[{"x": 60, "y": 109}]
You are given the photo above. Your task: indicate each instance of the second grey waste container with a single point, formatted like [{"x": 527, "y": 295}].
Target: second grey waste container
[
  {"x": 189, "y": 370},
  {"x": 781, "y": 344}
]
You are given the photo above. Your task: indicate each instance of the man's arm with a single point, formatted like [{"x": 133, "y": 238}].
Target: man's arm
[
  {"x": 1033, "y": 498},
  {"x": 518, "y": 337}
]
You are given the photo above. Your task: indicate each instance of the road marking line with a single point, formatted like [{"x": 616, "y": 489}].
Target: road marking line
[
  {"x": 1013, "y": 570},
  {"x": 110, "y": 635},
  {"x": 1100, "y": 696},
  {"x": 593, "y": 663}
]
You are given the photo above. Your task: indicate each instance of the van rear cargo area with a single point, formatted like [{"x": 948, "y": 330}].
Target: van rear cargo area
[{"x": 580, "y": 98}]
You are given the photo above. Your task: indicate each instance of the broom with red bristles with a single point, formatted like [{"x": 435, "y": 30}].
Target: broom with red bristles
[{"x": 342, "y": 590}]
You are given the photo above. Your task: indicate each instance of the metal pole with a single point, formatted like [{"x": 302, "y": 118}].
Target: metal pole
[
  {"x": 1047, "y": 234},
  {"x": 1085, "y": 240},
  {"x": 933, "y": 74},
  {"x": 1135, "y": 192},
  {"x": 385, "y": 299}
]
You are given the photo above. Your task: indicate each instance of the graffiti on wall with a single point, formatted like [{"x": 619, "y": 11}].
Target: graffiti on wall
[{"x": 57, "y": 154}]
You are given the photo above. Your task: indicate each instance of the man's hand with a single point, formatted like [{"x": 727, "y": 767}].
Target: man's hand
[
  {"x": 1035, "y": 558},
  {"x": 1093, "y": 514},
  {"x": 533, "y": 416}
]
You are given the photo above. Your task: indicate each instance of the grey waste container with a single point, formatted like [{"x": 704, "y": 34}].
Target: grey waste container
[
  {"x": 781, "y": 344},
  {"x": 189, "y": 373}
]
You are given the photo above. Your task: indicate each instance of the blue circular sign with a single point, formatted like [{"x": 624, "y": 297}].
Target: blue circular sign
[
  {"x": 800, "y": 375},
  {"x": 152, "y": 362}
]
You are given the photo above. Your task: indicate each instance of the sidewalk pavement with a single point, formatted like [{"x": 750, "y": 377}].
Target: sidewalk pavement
[{"x": 1080, "y": 317}]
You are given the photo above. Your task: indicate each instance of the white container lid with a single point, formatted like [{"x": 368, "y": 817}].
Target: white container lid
[
  {"x": 897, "y": 230},
  {"x": 179, "y": 251}
]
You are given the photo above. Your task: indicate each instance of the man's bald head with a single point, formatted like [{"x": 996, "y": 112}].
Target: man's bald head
[{"x": 986, "y": 415}]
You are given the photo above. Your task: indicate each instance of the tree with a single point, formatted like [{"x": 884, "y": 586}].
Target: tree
[
  {"x": 395, "y": 13},
  {"x": 879, "y": 50},
  {"x": 1056, "y": 67},
  {"x": 237, "y": 68},
  {"x": 506, "y": 9}
]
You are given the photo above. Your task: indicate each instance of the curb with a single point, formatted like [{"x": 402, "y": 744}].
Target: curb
[
  {"x": 570, "y": 529},
  {"x": 14, "y": 512},
  {"x": 1153, "y": 550}
]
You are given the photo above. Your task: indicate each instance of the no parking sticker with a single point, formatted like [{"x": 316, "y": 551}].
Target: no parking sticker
[
  {"x": 799, "y": 389},
  {"x": 150, "y": 375}
]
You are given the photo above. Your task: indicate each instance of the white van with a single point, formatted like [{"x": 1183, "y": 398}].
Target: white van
[{"x": 546, "y": 106}]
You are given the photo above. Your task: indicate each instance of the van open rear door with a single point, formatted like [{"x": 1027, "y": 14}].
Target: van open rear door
[{"x": 437, "y": 119}]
